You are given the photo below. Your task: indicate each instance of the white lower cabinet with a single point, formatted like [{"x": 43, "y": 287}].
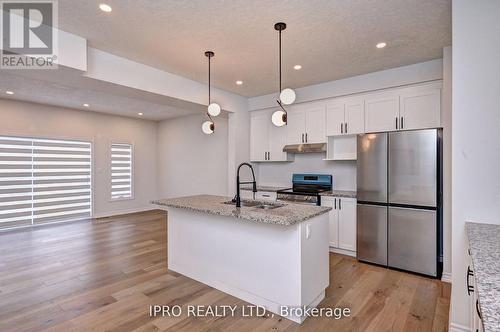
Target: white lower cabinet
[{"x": 342, "y": 222}]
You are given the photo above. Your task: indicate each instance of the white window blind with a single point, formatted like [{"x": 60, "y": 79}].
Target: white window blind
[
  {"x": 121, "y": 171},
  {"x": 43, "y": 181}
]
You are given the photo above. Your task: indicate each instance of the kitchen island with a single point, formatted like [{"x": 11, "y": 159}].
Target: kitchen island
[{"x": 268, "y": 254}]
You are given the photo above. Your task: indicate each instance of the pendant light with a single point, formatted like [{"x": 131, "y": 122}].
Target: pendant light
[
  {"x": 213, "y": 109},
  {"x": 287, "y": 96}
]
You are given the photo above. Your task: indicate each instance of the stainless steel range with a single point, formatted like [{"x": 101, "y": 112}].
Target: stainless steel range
[{"x": 306, "y": 188}]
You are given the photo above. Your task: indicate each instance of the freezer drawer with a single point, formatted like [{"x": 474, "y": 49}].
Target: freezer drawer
[
  {"x": 412, "y": 240},
  {"x": 372, "y": 233},
  {"x": 372, "y": 168},
  {"x": 413, "y": 167}
]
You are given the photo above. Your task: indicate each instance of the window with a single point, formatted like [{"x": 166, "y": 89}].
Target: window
[
  {"x": 44, "y": 181},
  {"x": 121, "y": 171}
]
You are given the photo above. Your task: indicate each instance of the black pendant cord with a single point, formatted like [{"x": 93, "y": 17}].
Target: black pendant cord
[
  {"x": 280, "y": 56},
  {"x": 209, "y": 80},
  {"x": 280, "y": 27},
  {"x": 209, "y": 54}
]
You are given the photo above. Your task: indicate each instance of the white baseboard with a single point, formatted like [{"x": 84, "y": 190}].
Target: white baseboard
[
  {"x": 446, "y": 277},
  {"x": 454, "y": 327},
  {"x": 343, "y": 251},
  {"x": 120, "y": 212}
]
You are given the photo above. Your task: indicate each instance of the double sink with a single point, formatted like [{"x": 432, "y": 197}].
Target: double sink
[{"x": 257, "y": 204}]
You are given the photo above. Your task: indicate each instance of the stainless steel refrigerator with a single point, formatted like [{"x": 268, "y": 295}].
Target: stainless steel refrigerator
[{"x": 399, "y": 212}]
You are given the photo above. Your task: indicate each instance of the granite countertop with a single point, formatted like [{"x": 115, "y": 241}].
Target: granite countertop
[
  {"x": 262, "y": 188},
  {"x": 286, "y": 215},
  {"x": 340, "y": 193},
  {"x": 484, "y": 245}
]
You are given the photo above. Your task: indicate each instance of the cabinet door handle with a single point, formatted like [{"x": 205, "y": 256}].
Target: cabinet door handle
[
  {"x": 346, "y": 127},
  {"x": 335, "y": 200},
  {"x": 306, "y": 137},
  {"x": 396, "y": 122},
  {"x": 470, "y": 288},
  {"x": 340, "y": 204},
  {"x": 477, "y": 309},
  {"x": 269, "y": 155},
  {"x": 265, "y": 195},
  {"x": 402, "y": 123},
  {"x": 341, "y": 128},
  {"x": 302, "y": 137}
]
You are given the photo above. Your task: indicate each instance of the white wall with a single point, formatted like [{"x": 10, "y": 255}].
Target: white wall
[
  {"x": 280, "y": 174},
  {"x": 476, "y": 134},
  {"x": 36, "y": 120},
  {"x": 446, "y": 120},
  {"x": 190, "y": 162}
]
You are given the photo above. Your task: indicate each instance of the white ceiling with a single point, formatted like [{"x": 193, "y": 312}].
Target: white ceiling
[
  {"x": 103, "y": 98},
  {"x": 331, "y": 39}
]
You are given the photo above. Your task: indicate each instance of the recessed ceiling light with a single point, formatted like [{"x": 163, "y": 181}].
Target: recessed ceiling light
[
  {"x": 297, "y": 67},
  {"x": 239, "y": 82},
  {"x": 140, "y": 113},
  {"x": 381, "y": 45},
  {"x": 86, "y": 105},
  {"x": 105, "y": 7},
  {"x": 9, "y": 92}
]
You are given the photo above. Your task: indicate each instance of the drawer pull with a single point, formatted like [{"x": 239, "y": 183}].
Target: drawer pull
[
  {"x": 470, "y": 288},
  {"x": 477, "y": 309}
]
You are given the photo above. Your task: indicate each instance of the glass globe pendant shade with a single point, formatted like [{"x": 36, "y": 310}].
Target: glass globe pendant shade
[
  {"x": 214, "y": 109},
  {"x": 279, "y": 118},
  {"x": 208, "y": 127},
  {"x": 287, "y": 96}
]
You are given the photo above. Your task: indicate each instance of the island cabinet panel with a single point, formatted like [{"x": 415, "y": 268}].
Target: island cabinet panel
[{"x": 262, "y": 263}]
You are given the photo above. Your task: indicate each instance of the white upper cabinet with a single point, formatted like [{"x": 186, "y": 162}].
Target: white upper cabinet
[
  {"x": 420, "y": 108},
  {"x": 345, "y": 117},
  {"x": 381, "y": 112},
  {"x": 416, "y": 107},
  {"x": 277, "y": 140},
  {"x": 306, "y": 124},
  {"x": 335, "y": 118},
  {"x": 315, "y": 124},
  {"x": 259, "y": 136},
  {"x": 266, "y": 140},
  {"x": 354, "y": 117},
  {"x": 296, "y": 125}
]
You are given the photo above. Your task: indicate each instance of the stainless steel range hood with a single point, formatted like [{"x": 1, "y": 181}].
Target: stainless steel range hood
[{"x": 305, "y": 148}]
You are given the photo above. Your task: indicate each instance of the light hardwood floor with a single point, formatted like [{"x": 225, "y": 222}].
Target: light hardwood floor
[{"x": 103, "y": 276}]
